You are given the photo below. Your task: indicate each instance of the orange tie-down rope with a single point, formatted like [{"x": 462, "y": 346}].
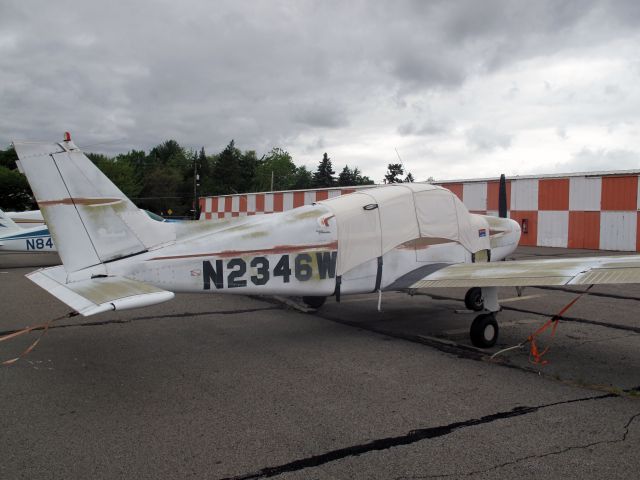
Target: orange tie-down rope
[
  {"x": 45, "y": 328},
  {"x": 535, "y": 355}
]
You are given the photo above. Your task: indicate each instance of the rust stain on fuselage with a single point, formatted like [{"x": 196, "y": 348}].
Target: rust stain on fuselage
[
  {"x": 256, "y": 234},
  {"x": 422, "y": 243},
  {"x": 79, "y": 201},
  {"x": 278, "y": 249},
  {"x": 312, "y": 213}
]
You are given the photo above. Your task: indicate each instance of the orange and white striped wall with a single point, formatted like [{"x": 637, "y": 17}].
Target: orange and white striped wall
[
  {"x": 239, "y": 205},
  {"x": 598, "y": 210}
]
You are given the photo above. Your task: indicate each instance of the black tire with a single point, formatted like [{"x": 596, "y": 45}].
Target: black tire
[
  {"x": 484, "y": 331},
  {"x": 314, "y": 302},
  {"x": 473, "y": 299}
]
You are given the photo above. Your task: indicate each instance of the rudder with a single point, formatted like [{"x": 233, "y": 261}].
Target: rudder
[{"x": 90, "y": 219}]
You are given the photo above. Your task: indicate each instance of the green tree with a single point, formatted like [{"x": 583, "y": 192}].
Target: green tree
[
  {"x": 16, "y": 193},
  {"x": 278, "y": 163},
  {"x": 119, "y": 171},
  {"x": 409, "y": 178},
  {"x": 165, "y": 175},
  {"x": 394, "y": 172},
  {"x": 162, "y": 186},
  {"x": 8, "y": 158},
  {"x": 362, "y": 179},
  {"x": 227, "y": 170},
  {"x": 350, "y": 177},
  {"x": 303, "y": 178},
  {"x": 324, "y": 174},
  {"x": 206, "y": 164},
  {"x": 169, "y": 152},
  {"x": 139, "y": 162},
  {"x": 248, "y": 167},
  {"x": 346, "y": 177}
]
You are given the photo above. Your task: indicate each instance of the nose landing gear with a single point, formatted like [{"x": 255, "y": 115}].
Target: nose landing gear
[{"x": 484, "y": 331}]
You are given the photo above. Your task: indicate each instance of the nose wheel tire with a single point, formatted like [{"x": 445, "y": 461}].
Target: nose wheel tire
[
  {"x": 473, "y": 299},
  {"x": 314, "y": 302},
  {"x": 484, "y": 331}
]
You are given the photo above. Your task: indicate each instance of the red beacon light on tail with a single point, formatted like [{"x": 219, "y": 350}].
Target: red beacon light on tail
[{"x": 67, "y": 137}]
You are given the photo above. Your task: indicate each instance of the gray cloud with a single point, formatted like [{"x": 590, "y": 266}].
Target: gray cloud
[
  {"x": 285, "y": 72},
  {"x": 321, "y": 115},
  {"x": 562, "y": 132},
  {"x": 430, "y": 126},
  {"x": 484, "y": 139},
  {"x": 601, "y": 159}
]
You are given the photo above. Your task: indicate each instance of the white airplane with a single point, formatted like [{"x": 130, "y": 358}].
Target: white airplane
[
  {"x": 32, "y": 235},
  {"x": 30, "y": 239},
  {"x": 29, "y": 218},
  {"x": 392, "y": 238}
]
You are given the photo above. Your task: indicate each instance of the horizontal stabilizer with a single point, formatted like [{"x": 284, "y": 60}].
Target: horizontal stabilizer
[
  {"x": 570, "y": 271},
  {"x": 97, "y": 295}
]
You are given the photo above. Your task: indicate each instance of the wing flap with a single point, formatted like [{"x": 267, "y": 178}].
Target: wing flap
[
  {"x": 608, "y": 276},
  {"x": 97, "y": 295},
  {"x": 571, "y": 271},
  {"x": 491, "y": 282}
]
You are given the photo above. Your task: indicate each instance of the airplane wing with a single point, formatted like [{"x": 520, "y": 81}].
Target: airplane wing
[
  {"x": 97, "y": 295},
  {"x": 522, "y": 273}
]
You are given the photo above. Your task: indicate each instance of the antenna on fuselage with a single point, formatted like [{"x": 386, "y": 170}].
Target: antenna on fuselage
[{"x": 401, "y": 162}]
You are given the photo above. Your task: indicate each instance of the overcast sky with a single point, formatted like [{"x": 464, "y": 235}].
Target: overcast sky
[{"x": 462, "y": 89}]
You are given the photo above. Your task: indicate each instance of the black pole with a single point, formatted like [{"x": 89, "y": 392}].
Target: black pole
[{"x": 502, "y": 197}]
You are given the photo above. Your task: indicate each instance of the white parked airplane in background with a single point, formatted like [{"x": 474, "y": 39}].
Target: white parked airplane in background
[
  {"x": 29, "y": 218},
  {"x": 397, "y": 237},
  {"x": 27, "y": 239},
  {"x": 32, "y": 235}
]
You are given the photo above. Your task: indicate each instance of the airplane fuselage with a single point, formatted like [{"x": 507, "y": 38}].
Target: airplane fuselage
[
  {"x": 293, "y": 253},
  {"x": 32, "y": 239}
]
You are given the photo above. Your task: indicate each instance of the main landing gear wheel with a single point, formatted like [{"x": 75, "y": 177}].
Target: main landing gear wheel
[
  {"x": 314, "y": 302},
  {"x": 484, "y": 331},
  {"x": 473, "y": 299}
]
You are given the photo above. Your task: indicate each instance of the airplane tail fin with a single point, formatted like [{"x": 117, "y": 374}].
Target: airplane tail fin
[
  {"x": 90, "y": 219},
  {"x": 7, "y": 225}
]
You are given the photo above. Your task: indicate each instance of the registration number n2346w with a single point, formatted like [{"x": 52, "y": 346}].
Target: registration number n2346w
[{"x": 300, "y": 266}]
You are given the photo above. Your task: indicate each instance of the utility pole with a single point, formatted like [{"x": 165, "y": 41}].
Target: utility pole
[
  {"x": 196, "y": 178},
  {"x": 271, "y": 181}
]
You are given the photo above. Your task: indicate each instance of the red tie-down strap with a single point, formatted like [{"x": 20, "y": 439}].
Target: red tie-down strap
[
  {"x": 535, "y": 355},
  {"x": 44, "y": 327}
]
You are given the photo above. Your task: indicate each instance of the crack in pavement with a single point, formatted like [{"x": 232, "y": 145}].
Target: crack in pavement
[
  {"x": 149, "y": 317},
  {"x": 560, "y": 451},
  {"x": 409, "y": 438}
]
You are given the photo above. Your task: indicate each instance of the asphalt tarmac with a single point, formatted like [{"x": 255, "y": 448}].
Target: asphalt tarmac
[{"x": 215, "y": 387}]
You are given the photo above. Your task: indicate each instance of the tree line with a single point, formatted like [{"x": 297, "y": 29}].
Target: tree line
[{"x": 165, "y": 179}]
